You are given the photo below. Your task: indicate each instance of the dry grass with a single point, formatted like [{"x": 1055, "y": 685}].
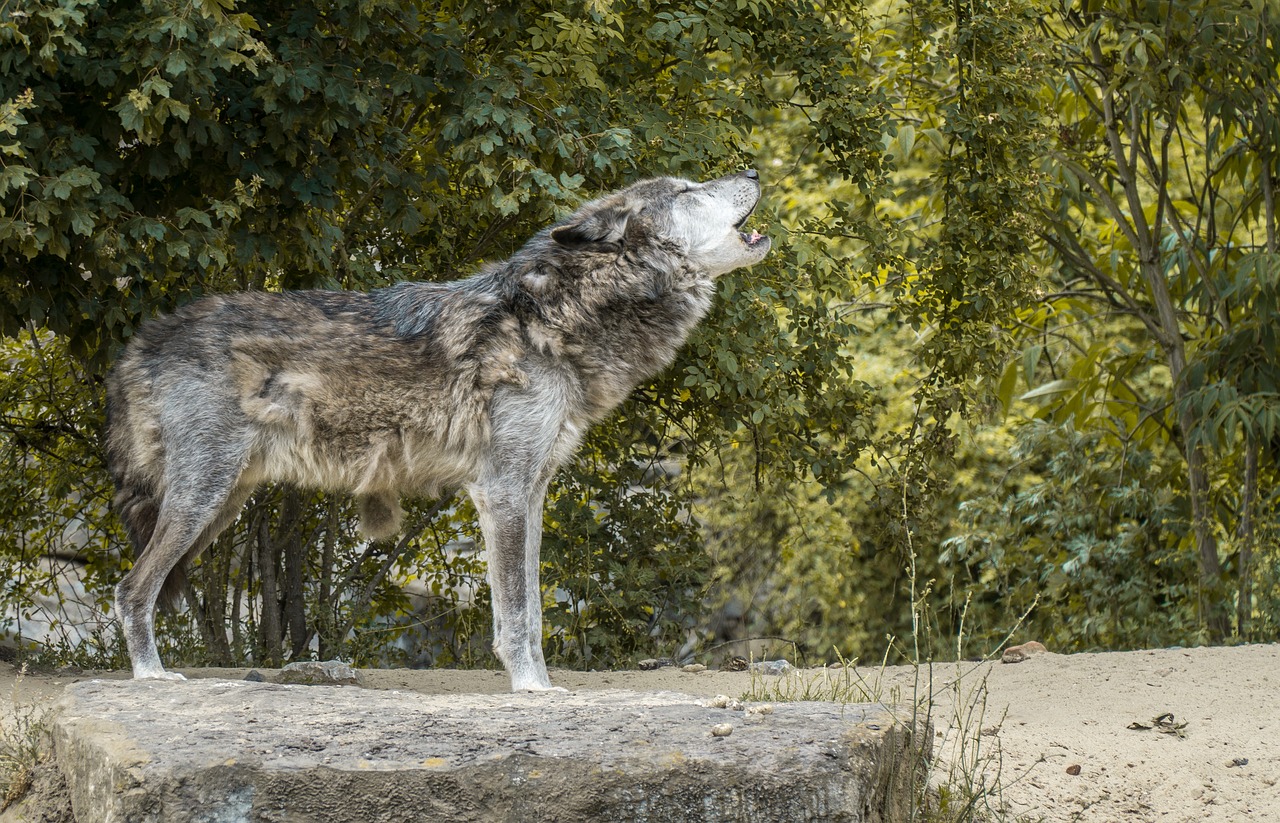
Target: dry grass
[
  {"x": 22, "y": 743},
  {"x": 962, "y": 780}
]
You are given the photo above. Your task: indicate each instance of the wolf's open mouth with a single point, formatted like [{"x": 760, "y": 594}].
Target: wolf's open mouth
[{"x": 755, "y": 236}]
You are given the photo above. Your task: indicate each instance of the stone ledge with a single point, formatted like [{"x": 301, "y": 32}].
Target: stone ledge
[{"x": 216, "y": 751}]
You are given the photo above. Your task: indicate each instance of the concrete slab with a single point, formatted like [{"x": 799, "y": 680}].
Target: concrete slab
[{"x": 217, "y": 751}]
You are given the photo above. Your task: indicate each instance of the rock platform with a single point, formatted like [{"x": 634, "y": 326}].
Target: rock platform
[{"x": 220, "y": 751}]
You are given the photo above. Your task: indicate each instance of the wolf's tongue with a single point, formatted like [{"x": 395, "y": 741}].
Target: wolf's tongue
[{"x": 755, "y": 236}]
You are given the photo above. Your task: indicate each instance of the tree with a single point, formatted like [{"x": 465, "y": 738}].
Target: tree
[
  {"x": 964, "y": 197},
  {"x": 1167, "y": 152},
  {"x": 160, "y": 150},
  {"x": 934, "y": 237},
  {"x": 157, "y": 151}
]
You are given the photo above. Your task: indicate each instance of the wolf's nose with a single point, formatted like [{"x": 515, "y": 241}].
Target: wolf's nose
[{"x": 752, "y": 173}]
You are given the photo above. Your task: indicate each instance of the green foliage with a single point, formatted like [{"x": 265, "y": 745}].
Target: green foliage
[
  {"x": 54, "y": 490},
  {"x": 1065, "y": 208},
  {"x": 1164, "y": 211},
  {"x": 952, "y": 217},
  {"x": 1089, "y": 544},
  {"x": 798, "y": 567},
  {"x": 983, "y": 134},
  {"x": 159, "y": 151},
  {"x": 622, "y": 556},
  {"x": 1234, "y": 382},
  {"x": 987, "y": 185},
  {"x": 932, "y": 236}
]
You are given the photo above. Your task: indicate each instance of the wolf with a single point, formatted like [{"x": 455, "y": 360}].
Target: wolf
[{"x": 486, "y": 383}]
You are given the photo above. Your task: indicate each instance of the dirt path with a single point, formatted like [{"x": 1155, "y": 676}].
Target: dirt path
[{"x": 1064, "y": 737}]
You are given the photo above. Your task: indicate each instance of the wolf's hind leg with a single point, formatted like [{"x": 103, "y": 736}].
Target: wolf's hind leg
[{"x": 190, "y": 517}]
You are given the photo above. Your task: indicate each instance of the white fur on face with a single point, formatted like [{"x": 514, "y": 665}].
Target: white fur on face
[{"x": 708, "y": 217}]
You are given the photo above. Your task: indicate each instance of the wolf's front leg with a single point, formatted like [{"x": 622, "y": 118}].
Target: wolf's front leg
[{"x": 511, "y": 523}]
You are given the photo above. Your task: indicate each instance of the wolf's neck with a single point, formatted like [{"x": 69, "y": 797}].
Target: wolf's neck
[{"x": 616, "y": 338}]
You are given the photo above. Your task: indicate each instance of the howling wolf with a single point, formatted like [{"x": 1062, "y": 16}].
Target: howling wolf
[{"x": 488, "y": 383}]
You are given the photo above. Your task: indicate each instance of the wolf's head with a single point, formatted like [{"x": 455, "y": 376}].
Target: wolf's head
[{"x": 700, "y": 223}]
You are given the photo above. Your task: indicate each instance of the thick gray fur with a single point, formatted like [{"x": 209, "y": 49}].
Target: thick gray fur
[{"x": 487, "y": 383}]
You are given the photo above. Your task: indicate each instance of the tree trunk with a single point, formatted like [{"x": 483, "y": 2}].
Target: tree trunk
[
  {"x": 1246, "y": 532},
  {"x": 1211, "y": 583},
  {"x": 269, "y": 634},
  {"x": 1167, "y": 326},
  {"x": 199, "y": 615},
  {"x": 295, "y": 610},
  {"x": 242, "y": 585},
  {"x": 217, "y": 581},
  {"x": 1212, "y": 590},
  {"x": 326, "y": 614}
]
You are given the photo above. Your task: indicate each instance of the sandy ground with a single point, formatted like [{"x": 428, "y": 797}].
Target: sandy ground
[{"x": 1054, "y": 738}]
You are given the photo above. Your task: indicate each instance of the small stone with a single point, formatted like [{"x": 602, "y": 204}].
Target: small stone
[
  {"x": 1238, "y": 761},
  {"x": 737, "y": 663},
  {"x": 655, "y": 663},
  {"x": 1073, "y": 769},
  {"x": 693, "y": 668},
  {"x": 315, "y": 673},
  {"x": 1017, "y": 654},
  {"x": 255, "y": 676},
  {"x": 759, "y": 712},
  {"x": 724, "y": 701},
  {"x": 771, "y": 667},
  {"x": 721, "y": 730}
]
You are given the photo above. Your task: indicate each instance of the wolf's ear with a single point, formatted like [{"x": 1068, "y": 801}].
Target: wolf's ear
[{"x": 601, "y": 230}]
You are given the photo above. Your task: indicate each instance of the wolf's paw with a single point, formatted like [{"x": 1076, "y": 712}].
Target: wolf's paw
[
  {"x": 534, "y": 684},
  {"x": 542, "y": 689},
  {"x": 160, "y": 675}
]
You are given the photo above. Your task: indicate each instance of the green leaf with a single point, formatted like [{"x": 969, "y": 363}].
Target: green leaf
[
  {"x": 1051, "y": 389},
  {"x": 1008, "y": 382}
]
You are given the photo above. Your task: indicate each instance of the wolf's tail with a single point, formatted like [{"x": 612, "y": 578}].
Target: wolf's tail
[{"x": 137, "y": 500}]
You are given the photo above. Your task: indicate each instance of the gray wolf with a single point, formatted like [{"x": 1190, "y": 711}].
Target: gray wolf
[{"x": 486, "y": 383}]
